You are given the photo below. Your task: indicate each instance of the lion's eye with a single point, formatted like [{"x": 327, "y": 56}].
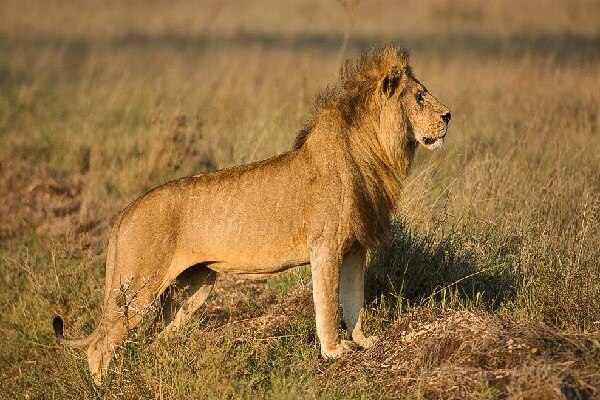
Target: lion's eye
[{"x": 420, "y": 96}]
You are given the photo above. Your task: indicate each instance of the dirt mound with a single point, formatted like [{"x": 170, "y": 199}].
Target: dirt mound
[
  {"x": 462, "y": 354},
  {"x": 427, "y": 353}
]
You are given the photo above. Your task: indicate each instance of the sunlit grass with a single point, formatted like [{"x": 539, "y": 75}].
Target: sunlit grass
[{"x": 502, "y": 221}]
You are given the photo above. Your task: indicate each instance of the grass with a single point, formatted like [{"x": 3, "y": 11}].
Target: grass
[{"x": 490, "y": 287}]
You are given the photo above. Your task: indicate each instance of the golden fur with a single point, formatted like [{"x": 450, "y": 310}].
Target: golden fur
[{"x": 325, "y": 202}]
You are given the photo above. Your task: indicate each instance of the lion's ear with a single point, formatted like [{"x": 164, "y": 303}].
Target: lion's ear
[{"x": 389, "y": 84}]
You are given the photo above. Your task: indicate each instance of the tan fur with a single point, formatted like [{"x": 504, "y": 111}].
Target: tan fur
[{"x": 325, "y": 202}]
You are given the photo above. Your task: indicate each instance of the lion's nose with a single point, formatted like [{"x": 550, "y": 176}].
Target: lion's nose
[{"x": 446, "y": 117}]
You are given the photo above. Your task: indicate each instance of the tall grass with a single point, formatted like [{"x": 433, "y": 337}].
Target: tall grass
[{"x": 99, "y": 104}]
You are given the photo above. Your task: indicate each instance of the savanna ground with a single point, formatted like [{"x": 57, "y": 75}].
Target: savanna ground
[{"x": 491, "y": 286}]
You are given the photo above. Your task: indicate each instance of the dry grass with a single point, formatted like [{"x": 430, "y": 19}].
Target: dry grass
[{"x": 491, "y": 286}]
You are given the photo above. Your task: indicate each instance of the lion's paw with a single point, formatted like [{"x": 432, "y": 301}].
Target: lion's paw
[
  {"x": 365, "y": 342},
  {"x": 345, "y": 346}
]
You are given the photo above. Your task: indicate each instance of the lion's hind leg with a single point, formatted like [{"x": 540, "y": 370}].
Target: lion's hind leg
[
  {"x": 191, "y": 290},
  {"x": 125, "y": 309},
  {"x": 102, "y": 349},
  {"x": 352, "y": 296}
]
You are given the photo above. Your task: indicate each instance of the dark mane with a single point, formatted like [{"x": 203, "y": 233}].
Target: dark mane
[{"x": 357, "y": 82}]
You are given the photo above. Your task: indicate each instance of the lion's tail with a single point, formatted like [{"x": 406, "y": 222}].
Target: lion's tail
[{"x": 58, "y": 325}]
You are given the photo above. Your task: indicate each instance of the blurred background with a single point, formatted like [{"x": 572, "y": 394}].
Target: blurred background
[{"x": 102, "y": 100}]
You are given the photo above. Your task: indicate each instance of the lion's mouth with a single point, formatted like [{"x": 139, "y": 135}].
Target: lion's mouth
[{"x": 431, "y": 140}]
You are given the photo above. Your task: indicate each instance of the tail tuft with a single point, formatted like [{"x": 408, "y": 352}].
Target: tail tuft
[{"x": 58, "y": 325}]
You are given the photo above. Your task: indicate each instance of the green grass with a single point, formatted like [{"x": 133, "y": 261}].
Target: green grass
[{"x": 99, "y": 104}]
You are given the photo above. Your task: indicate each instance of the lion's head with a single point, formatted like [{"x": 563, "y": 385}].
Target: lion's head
[
  {"x": 406, "y": 107},
  {"x": 379, "y": 89},
  {"x": 424, "y": 118}
]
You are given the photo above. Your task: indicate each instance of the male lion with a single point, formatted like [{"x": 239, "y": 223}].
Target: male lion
[{"x": 325, "y": 202}]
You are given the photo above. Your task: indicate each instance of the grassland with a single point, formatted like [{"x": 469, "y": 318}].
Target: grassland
[{"x": 491, "y": 286}]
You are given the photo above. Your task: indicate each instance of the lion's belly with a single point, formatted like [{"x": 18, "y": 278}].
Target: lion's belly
[
  {"x": 246, "y": 243},
  {"x": 252, "y": 271},
  {"x": 264, "y": 254}
]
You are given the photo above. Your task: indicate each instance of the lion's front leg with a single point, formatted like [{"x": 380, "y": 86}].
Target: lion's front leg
[
  {"x": 325, "y": 270},
  {"x": 352, "y": 295}
]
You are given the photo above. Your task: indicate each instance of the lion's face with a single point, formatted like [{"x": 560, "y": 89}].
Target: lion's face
[{"x": 426, "y": 118}]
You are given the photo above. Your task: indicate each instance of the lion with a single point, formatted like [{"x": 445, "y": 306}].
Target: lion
[{"x": 325, "y": 203}]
